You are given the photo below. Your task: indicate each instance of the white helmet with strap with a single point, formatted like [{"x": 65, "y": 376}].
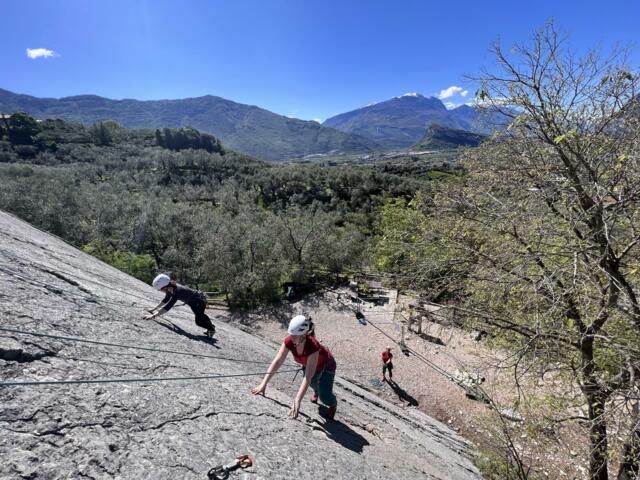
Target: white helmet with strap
[
  {"x": 299, "y": 325},
  {"x": 161, "y": 281}
]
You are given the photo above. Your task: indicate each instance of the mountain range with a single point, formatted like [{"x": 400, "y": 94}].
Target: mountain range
[
  {"x": 393, "y": 124},
  {"x": 402, "y": 121},
  {"x": 246, "y": 128}
]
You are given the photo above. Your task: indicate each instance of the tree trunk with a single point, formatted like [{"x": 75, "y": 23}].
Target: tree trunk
[
  {"x": 630, "y": 466},
  {"x": 596, "y": 399},
  {"x": 598, "y": 469}
]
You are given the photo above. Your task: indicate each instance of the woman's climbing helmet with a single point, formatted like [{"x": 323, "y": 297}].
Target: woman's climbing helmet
[
  {"x": 299, "y": 325},
  {"x": 161, "y": 281}
]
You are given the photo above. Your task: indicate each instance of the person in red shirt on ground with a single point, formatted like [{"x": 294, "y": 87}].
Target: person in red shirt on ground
[
  {"x": 387, "y": 364},
  {"x": 319, "y": 366}
]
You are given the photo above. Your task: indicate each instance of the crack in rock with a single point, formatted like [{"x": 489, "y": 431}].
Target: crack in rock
[
  {"x": 106, "y": 424},
  {"x": 24, "y": 419},
  {"x": 207, "y": 415},
  {"x": 64, "y": 279},
  {"x": 186, "y": 467}
]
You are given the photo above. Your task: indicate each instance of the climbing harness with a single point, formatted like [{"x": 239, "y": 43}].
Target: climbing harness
[{"x": 221, "y": 472}]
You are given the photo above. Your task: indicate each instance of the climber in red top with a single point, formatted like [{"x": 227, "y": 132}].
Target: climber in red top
[
  {"x": 319, "y": 366},
  {"x": 387, "y": 364}
]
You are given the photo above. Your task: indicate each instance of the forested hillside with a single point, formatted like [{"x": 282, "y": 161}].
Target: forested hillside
[
  {"x": 245, "y": 128},
  {"x": 175, "y": 199},
  {"x": 438, "y": 137}
]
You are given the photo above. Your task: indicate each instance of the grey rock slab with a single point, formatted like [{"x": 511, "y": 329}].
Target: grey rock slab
[{"x": 172, "y": 429}]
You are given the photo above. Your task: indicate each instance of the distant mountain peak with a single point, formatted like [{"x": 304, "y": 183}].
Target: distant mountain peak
[
  {"x": 464, "y": 106},
  {"x": 400, "y": 122}
]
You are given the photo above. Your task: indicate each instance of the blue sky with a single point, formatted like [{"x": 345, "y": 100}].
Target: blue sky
[{"x": 302, "y": 58}]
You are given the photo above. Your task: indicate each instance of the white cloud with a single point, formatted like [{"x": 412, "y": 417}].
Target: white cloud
[
  {"x": 40, "y": 53},
  {"x": 464, "y": 93},
  {"x": 450, "y": 92},
  {"x": 317, "y": 120},
  {"x": 451, "y": 105}
]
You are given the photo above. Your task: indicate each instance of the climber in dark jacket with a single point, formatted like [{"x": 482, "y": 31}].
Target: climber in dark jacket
[{"x": 174, "y": 291}]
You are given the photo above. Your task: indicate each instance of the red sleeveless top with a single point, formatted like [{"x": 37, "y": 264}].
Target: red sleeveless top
[{"x": 312, "y": 345}]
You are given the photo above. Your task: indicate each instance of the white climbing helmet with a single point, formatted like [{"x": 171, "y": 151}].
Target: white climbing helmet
[
  {"x": 299, "y": 325},
  {"x": 161, "y": 281}
]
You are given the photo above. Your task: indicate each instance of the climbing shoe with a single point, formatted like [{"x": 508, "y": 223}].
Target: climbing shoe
[{"x": 314, "y": 397}]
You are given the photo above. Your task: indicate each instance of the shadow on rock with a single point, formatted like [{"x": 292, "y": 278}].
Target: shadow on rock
[
  {"x": 430, "y": 338},
  {"x": 402, "y": 393},
  {"x": 198, "y": 338},
  {"x": 334, "y": 429},
  {"x": 343, "y": 434}
]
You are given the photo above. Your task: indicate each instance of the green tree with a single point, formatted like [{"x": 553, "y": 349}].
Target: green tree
[
  {"x": 102, "y": 133},
  {"x": 243, "y": 255},
  {"x": 22, "y": 128},
  {"x": 141, "y": 266},
  {"x": 543, "y": 235},
  {"x": 159, "y": 138}
]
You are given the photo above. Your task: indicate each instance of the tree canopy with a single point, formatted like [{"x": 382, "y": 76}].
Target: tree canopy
[{"x": 539, "y": 244}]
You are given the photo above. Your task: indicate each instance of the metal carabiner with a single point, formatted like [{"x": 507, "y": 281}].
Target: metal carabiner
[{"x": 221, "y": 472}]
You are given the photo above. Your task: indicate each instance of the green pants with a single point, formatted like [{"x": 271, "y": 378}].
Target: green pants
[{"x": 322, "y": 384}]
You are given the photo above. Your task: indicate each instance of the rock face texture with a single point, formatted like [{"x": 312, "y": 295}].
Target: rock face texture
[{"x": 171, "y": 429}]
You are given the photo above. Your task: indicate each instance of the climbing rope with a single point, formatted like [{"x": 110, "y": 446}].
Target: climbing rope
[
  {"x": 435, "y": 367},
  {"x": 134, "y": 347},
  {"x": 34, "y": 383},
  {"x": 420, "y": 357}
]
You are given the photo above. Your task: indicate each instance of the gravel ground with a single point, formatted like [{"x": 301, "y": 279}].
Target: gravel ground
[{"x": 358, "y": 348}]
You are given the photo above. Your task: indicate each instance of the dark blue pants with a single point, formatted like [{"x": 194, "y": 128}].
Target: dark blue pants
[{"x": 322, "y": 384}]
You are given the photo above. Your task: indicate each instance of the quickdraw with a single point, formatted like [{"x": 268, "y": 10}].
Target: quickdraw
[{"x": 221, "y": 472}]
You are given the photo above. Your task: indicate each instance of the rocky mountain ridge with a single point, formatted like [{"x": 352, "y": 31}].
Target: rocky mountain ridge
[
  {"x": 245, "y": 128},
  {"x": 400, "y": 122}
]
